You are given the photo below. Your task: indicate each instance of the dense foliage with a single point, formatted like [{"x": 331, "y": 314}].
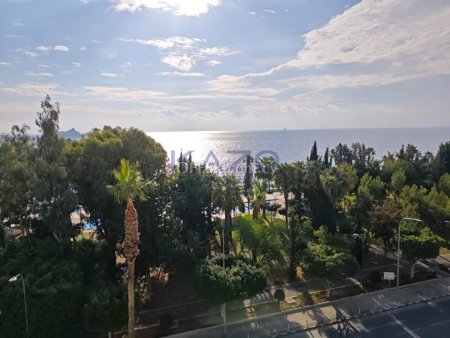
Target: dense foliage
[
  {"x": 241, "y": 278},
  {"x": 50, "y": 188}
]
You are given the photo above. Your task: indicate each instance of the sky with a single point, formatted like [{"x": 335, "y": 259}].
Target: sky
[{"x": 169, "y": 65}]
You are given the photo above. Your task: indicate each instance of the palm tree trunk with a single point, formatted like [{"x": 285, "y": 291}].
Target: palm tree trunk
[
  {"x": 131, "y": 314},
  {"x": 131, "y": 252}
]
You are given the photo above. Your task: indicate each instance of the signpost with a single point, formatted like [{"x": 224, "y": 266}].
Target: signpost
[{"x": 389, "y": 276}]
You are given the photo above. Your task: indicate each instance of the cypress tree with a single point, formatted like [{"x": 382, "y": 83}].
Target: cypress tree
[{"x": 314, "y": 156}]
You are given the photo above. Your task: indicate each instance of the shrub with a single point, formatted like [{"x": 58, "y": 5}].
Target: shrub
[
  {"x": 279, "y": 295},
  {"x": 375, "y": 277}
]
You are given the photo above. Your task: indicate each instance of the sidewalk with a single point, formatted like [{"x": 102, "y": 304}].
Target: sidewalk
[
  {"x": 330, "y": 312},
  {"x": 203, "y": 308}
]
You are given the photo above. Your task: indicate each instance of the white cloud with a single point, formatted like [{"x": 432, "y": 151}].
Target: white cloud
[
  {"x": 35, "y": 89},
  {"x": 181, "y": 62},
  {"x": 5, "y": 64},
  {"x": 184, "y": 52},
  {"x": 373, "y": 43},
  {"x": 30, "y": 89},
  {"x": 122, "y": 93},
  {"x": 217, "y": 51},
  {"x": 172, "y": 42},
  {"x": 252, "y": 13},
  {"x": 61, "y": 48},
  {"x": 44, "y": 66},
  {"x": 42, "y": 49},
  {"x": 176, "y": 7},
  {"x": 106, "y": 74},
  {"x": 39, "y": 74},
  {"x": 13, "y": 36},
  {"x": 19, "y": 24},
  {"x": 97, "y": 42},
  {"x": 213, "y": 62},
  {"x": 270, "y": 11},
  {"x": 181, "y": 74},
  {"x": 76, "y": 64},
  {"x": 411, "y": 32}
]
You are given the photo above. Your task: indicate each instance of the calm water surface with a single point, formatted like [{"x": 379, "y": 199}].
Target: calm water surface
[{"x": 227, "y": 148}]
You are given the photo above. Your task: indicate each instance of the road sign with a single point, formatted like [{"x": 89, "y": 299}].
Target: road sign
[{"x": 389, "y": 276}]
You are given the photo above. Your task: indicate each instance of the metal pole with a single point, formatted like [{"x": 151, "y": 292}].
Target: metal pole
[
  {"x": 25, "y": 303},
  {"x": 398, "y": 254},
  {"x": 363, "y": 247},
  {"x": 223, "y": 266}
]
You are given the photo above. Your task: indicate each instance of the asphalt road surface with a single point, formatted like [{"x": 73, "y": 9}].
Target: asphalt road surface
[{"x": 431, "y": 319}]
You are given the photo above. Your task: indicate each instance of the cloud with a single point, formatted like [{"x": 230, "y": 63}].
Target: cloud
[
  {"x": 181, "y": 62},
  {"x": 252, "y": 13},
  {"x": 181, "y": 74},
  {"x": 122, "y": 93},
  {"x": 184, "y": 52},
  {"x": 413, "y": 33},
  {"x": 374, "y": 43},
  {"x": 217, "y": 51},
  {"x": 42, "y": 49},
  {"x": 6, "y": 64},
  {"x": 176, "y": 7},
  {"x": 39, "y": 74},
  {"x": 213, "y": 62},
  {"x": 106, "y": 74},
  {"x": 35, "y": 89},
  {"x": 172, "y": 42},
  {"x": 13, "y": 36},
  {"x": 270, "y": 11},
  {"x": 76, "y": 64},
  {"x": 61, "y": 48}
]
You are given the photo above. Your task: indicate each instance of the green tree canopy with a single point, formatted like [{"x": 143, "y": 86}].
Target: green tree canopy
[
  {"x": 241, "y": 278},
  {"x": 328, "y": 263},
  {"x": 418, "y": 243}
]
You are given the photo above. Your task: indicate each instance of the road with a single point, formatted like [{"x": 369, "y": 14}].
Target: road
[{"x": 430, "y": 319}]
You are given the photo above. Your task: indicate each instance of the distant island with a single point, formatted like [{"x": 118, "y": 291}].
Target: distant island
[{"x": 71, "y": 134}]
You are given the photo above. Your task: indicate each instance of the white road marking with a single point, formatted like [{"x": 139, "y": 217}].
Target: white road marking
[
  {"x": 440, "y": 323},
  {"x": 403, "y": 326}
]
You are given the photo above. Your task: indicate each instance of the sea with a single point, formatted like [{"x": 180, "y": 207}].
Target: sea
[{"x": 225, "y": 151}]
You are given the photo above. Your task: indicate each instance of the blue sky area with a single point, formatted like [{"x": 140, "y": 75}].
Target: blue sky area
[{"x": 163, "y": 65}]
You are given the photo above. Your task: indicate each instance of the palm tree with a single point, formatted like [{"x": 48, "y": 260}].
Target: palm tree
[
  {"x": 284, "y": 177},
  {"x": 228, "y": 196},
  {"x": 130, "y": 185},
  {"x": 265, "y": 169},
  {"x": 259, "y": 199}
]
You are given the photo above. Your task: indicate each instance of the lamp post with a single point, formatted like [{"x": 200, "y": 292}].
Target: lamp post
[
  {"x": 224, "y": 306},
  {"x": 12, "y": 280},
  {"x": 398, "y": 244}
]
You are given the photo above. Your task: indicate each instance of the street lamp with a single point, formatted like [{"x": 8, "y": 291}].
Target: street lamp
[
  {"x": 224, "y": 306},
  {"x": 12, "y": 280},
  {"x": 398, "y": 244}
]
